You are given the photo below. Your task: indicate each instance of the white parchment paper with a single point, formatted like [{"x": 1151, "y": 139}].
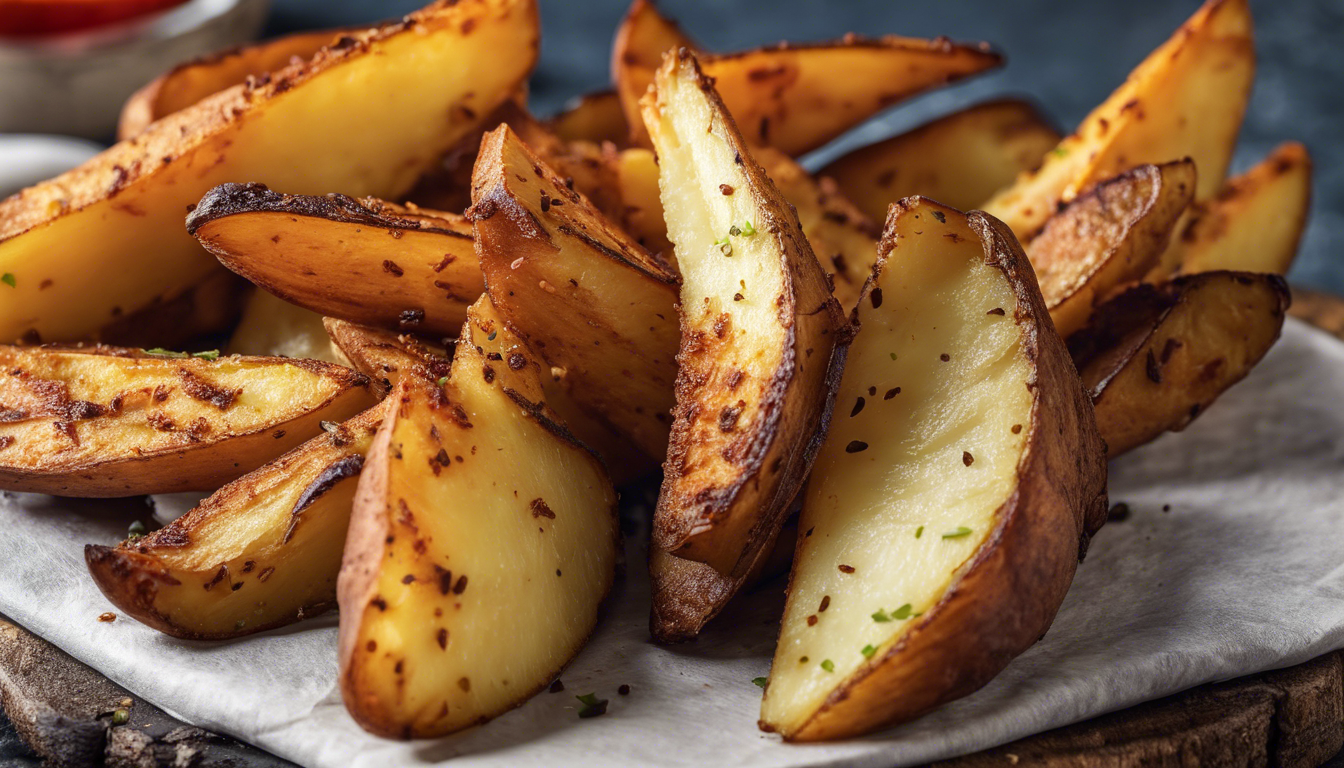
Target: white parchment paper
[{"x": 1244, "y": 573}]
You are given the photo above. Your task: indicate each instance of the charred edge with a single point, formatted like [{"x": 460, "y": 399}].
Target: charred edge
[
  {"x": 343, "y": 469},
  {"x": 232, "y": 199}
]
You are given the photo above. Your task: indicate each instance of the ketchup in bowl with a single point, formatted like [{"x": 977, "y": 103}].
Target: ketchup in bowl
[{"x": 34, "y": 18}]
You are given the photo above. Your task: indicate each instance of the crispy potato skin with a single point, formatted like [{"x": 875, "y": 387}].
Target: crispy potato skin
[
  {"x": 726, "y": 490},
  {"x": 1108, "y": 238},
  {"x": 960, "y": 160},
  {"x": 191, "y": 81},
  {"x": 259, "y": 571},
  {"x": 644, "y": 35},
  {"x": 213, "y": 306},
  {"x": 105, "y": 238},
  {"x": 187, "y": 419},
  {"x": 1254, "y": 223},
  {"x": 369, "y": 262},
  {"x": 1007, "y": 596},
  {"x": 385, "y": 356},
  {"x": 582, "y": 292},
  {"x": 1155, "y": 357}
]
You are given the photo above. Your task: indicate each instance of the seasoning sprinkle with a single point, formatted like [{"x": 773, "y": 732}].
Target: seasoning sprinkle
[
  {"x": 747, "y": 229},
  {"x": 725, "y": 247},
  {"x": 161, "y": 352},
  {"x": 919, "y": 531},
  {"x": 881, "y": 616},
  {"x": 592, "y": 706},
  {"x": 855, "y": 446},
  {"x": 443, "y": 380},
  {"x": 9, "y": 279},
  {"x": 760, "y": 681},
  {"x": 828, "y": 665},
  {"x": 209, "y": 354},
  {"x": 903, "y": 613},
  {"x": 958, "y": 533},
  {"x": 868, "y": 651}
]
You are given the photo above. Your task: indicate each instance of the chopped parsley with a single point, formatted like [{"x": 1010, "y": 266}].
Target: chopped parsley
[
  {"x": 760, "y": 681},
  {"x": 828, "y": 665},
  {"x": 9, "y": 279},
  {"x": 902, "y": 613},
  {"x": 725, "y": 247},
  {"x": 592, "y": 706},
  {"x": 893, "y": 355},
  {"x": 747, "y": 229},
  {"x": 881, "y": 616},
  {"x": 137, "y": 530},
  {"x": 868, "y": 651},
  {"x": 958, "y": 533},
  {"x": 1059, "y": 152},
  {"x": 443, "y": 380},
  {"x": 161, "y": 352},
  {"x": 919, "y": 531},
  {"x": 209, "y": 354}
]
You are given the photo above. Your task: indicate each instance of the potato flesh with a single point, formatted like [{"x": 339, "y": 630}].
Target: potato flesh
[
  {"x": 531, "y": 554},
  {"x": 1254, "y": 224},
  {"x": 960, "y": 160},
  {"x": 1186, "y": 99},
  {"x": 257, "y": 394},
  {"x": 249, "y": 562},
  {"x": 271, "y": 326},
  {"x": 753, "y": 341},
  {"x": 114, "y": 254},
  {"x": 863, "y": 509}
]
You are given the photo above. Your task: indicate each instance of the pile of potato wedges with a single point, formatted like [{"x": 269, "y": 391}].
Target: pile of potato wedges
[{"x": 451, "y": 329}]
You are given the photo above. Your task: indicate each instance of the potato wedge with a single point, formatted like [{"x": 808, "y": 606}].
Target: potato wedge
[
  {"x": 960, "y": 160},
  {"x": 367, "y": 261},
  {"x": 789, "y": 96},
  {"x": 259, "y": 553},
  {"x": 1155, "y": 357},
  {"x": 841, "y": 236},
  {"x": 595, "y": 117},
  {"x": 467, "y": 585},
  {"x": 272, "y": 327},
  {"x": 643, "y": 37},
  {"x": 582, "y": 293},
  {"x": 1255, "y": 221},
  {"x": 360, "y": 118},
  {"x": 107, "y": 421},
  {"x": 384, "y": 356},
  {"x": 192, "y": 81},
  {"x": 956, "y": 491},
  {"x": 211, "y": 307},
  {"x": 1108, "y": 238},
  {"x": 1187, "y": 99},
  {"x": 637, "y": 175},
  {"x": 761, "y": 335}
]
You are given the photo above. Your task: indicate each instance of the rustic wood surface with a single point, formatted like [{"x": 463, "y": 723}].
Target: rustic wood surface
[{"x": 1290, "y": 718}]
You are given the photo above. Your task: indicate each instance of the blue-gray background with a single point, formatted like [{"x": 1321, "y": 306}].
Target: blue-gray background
[{"x": 1065, "y": 54}]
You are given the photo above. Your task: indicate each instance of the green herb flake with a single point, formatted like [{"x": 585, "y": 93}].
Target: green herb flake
[
  {"x": 161, "y": 352},
  {"x": 760, "y": 681},
  {"x": 958, "y": 533},
  {"x": 902, "y": 613},
  {"x": 121, "y": 717},
  {"x": 209, "y": 354},
  {"x": 893, "y": 355},
  {"x": 881, "y": 616},
  {"x": 136, "y": 530},
  {"x": 734, "y": 231},
  {"x": 725, "y": 247},
  {"x": 747, "y": 229},
  {"x": 9, "y": 279},
  {"x": 919, "y": 531},
  {"x": 592, "y": 706},
  {"x": 828, "y": 665},
  {"x": 868, "y": 651},
  {"x": 1059, "y": 152},
  {"x": 443, "y": 380}
]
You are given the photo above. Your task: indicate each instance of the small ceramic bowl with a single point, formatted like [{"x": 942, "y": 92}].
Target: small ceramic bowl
[{"x": 75, "y": 84}]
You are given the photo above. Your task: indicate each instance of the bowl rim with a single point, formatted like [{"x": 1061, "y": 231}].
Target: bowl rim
[{"x": 164, "y": 25}]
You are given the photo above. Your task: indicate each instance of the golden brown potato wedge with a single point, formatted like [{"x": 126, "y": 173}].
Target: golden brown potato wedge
[
  {"x": 793, "y": 96},
  {"x": 1187, "y": 99},
  {"x": 960, "y": 160},
  {"x": 1108, "y": 238},
  {"x": 1155, "y": 357},
  {"x": 1255, "y": 221},
  {"x": 761, "y": 335},
  {"x": 192, "y": 81},
  {"x": 595, "y": 117},
  {"x": 384, "y": 356},
  {"x": 362, "y": 118},
  {"x": 107, "y": 421},
  {"x": 841, "y": 236},
  {"x": 259, "y": 553},
  {"x": 956, "y": 491},
  {"x": 365, "y": 261},
  {"x": 272, "y": 327},
  {"x": 642, "y": 217},
  {"x": 643, "y": 37},
  {"x": 582, "y": 293},
  {"x": 467, "y": 585}
]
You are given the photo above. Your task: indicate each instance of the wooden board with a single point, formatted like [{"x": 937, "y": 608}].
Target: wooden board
[{"x": 1291, "y": 718}]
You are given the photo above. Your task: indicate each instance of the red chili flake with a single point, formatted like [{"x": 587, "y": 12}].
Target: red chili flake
[
  {"x": 894, "y": 391},
  {"x": 967, "y": 458},
  {"x": 846, "y": 569},
  {"x": 442, "y": 637},
  {"x": 812, "y": 620},
  {"x": 876, "y": 297},
  {"x": 944, "y": 357},
  {"x": 461, "y": 585},
  {"x": 996, "y": 311},
  {"x": 106, "y": 617},
  {"x": 825, "y": 603},
  {"x": 855, "y": 446},
  {"x": 1154, "y": 370},
  {"x": 541, "y": 509},
  {"x": 1017, "y": 428},
  {"x": 725, "y": 189},
  {"x": 858, "y": 406},
  {"x": 391, "y": 266}
]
